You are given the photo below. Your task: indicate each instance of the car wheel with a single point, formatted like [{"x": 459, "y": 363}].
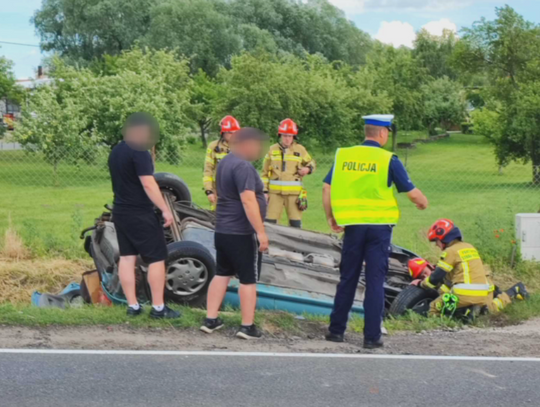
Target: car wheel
[
  {"x": 413, "y": 298},
  {"x": 174, "y": 185},
  {"x": 189, "y": 269}
]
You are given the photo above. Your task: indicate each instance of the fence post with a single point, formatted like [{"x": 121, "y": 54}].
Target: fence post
[{"x": 394, "y": 137}]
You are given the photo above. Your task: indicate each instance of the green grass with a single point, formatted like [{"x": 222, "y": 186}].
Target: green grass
[
  {"x": 27, "y": 315},
  {"x": 274, "y": 322},
  {"x": 458, "y": 175}
]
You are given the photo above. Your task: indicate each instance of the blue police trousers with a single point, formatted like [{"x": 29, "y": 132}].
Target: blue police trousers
[{"x": 369, "y": 243}]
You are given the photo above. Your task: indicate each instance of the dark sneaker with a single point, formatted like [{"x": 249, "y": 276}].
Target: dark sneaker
[
  {"x": 132, "y": 312},
  {"x": 210, "y": 325},
  {"x": 373, "y": 344},
  {"x": 249, "y": 332},
  {"x": 330, "y": 337},
  {"x": 165, "y": 313}
]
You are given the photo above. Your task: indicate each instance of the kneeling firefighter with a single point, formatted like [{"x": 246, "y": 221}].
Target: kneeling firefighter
[
  {"x": 284, "y": 167},
  {"x": 460, "y": 276},
  {"x": 215, "y": 152}
]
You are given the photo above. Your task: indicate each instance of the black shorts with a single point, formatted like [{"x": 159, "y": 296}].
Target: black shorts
[
  {"x": 238, "y": 255},
  {"x": 140, "y": 234}
]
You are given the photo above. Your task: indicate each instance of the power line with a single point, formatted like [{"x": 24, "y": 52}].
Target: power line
[{"x": 18, "y": 43}]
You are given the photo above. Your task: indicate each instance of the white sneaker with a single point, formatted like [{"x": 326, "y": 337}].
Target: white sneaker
[{"x": 384, "y": 331}]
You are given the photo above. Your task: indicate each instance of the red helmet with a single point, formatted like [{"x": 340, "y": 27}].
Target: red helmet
[
  {"x": 440, "y": 229},
  {"x": 287, "y": 126},
  {"x": 229, "y": 124},
  {"x": 416, "y": 267}
]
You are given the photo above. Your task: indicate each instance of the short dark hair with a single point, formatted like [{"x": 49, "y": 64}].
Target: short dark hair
[{"x": 141, "y": 119}]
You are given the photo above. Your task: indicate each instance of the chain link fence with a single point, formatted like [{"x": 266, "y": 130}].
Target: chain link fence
[{"x": 457, "y": 172}]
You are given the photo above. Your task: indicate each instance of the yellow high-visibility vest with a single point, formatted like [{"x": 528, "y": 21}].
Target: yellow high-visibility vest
[{"x": 360, "y": 191}]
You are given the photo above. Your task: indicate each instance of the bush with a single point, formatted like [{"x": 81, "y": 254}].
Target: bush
[{"x": 467, "y": 128}]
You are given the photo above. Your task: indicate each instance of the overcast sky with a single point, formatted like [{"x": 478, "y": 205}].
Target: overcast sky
[{"x": 391, "y": 21}]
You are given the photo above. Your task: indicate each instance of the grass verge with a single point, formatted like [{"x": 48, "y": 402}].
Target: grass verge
[{"x": 273, "y": 322}]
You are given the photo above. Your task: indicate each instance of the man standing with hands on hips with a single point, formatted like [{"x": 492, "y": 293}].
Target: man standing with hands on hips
[
  {"x": 240, "y": 236},
  {"x": 358, "y": 198}
]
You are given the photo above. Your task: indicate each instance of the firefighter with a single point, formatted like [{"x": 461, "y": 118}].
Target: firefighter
[
  {"x": 216, "y": 151},
  {"x": 358, "y": 198},
  {"x": 460, "y": 276},
  {"x": 284, "y": 167}
]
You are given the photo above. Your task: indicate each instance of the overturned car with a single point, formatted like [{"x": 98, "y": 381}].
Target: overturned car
[{"x": 299, "y": 274}]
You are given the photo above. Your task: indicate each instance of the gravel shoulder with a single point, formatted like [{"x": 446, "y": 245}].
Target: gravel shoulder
[{"x": 517, "y": 341}]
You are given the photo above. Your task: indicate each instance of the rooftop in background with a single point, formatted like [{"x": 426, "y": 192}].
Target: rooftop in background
[{"x": 30, "y": 83}]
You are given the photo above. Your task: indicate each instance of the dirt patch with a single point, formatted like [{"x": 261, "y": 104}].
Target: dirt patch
[{"x": 521, "y": 340}]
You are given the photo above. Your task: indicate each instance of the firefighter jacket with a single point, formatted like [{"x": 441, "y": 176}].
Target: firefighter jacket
[
  {"x": 465, "y": 271},
  {"x": 216, "y": 151},
  {"x": 281, "y": 166}
]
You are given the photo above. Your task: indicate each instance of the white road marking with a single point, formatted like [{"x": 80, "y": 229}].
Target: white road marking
[{"x": 264, "y": 354}]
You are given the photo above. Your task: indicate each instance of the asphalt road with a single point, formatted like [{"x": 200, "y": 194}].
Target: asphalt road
[{"x": 201, "y": 380}]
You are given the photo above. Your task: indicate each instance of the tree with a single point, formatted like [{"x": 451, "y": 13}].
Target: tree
[
  {"x": 152, "y": 81},
  {"x": 203, "y": 97},
  {"x": 84, "y": 110},
  {"x": 56, "y": 126},
  {"x": 508, "y": 50},
  {"x": 324, "y": 99},
  {"x": 195, "y": 29},
  {"x": 8, "y": 86},
  {"x": 433, "y": 53},
  {"x": 444, "y": 104},
  {"x": 396, "y": 72},
  {"x": 209, "y": 32},
  {"x": 312, "y": 26},
  {"x": 80, "y": 30}
]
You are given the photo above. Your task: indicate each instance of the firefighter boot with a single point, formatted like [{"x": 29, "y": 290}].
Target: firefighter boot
[{"x": 519, "y": 292}]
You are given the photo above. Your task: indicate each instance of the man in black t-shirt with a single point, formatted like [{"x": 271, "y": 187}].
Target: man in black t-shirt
[
  {"x": 138, "y": 228},
  {"x": 240, "y": 237}
]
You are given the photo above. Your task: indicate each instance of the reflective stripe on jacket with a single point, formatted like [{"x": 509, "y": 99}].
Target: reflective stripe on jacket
[
  {"x": 281, "y": 166},
  {"x": 360, "y": 191},
  {"x": 465, "y": 270},
  {"x": 215, "y": 152}
]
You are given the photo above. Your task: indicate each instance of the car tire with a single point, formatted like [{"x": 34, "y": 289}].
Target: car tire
[
  {"x": 174, "y": 185},
  {"x": 189, "y": 269},
  {"x": 412, "y": 298}
]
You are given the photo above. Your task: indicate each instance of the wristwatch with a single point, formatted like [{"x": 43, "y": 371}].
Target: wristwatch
[{"x": 209, "y": 192}]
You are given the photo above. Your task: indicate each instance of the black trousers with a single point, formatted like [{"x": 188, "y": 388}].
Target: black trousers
[{"x": 369, "y": 243}]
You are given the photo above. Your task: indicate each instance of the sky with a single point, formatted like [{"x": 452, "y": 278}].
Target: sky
[{"x": 391, "y": 21}]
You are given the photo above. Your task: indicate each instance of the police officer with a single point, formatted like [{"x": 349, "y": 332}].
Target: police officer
[
  {"x": 358, "y": 198},
  {"x": 284, "y": 167},
  {"x": 461, "y": 272},
  {"x": 216, "y": 151}
]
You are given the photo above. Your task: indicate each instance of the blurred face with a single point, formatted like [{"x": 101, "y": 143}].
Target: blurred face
[
  {"x": 439, "y": 244},
  {"x": 286, "y": 140},
  {"x": 253, "y": 149},
  {"x": 139, "y": 136},
  {"x": 227, "y": 136}
]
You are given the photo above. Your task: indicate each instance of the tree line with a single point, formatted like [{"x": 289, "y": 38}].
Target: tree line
[{"x": 189, "y": 62}]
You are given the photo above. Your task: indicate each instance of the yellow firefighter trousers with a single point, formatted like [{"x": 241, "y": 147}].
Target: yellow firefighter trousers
[
  {"x": 494, "y": 305},
  {"x": 276, "y": 203}
]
